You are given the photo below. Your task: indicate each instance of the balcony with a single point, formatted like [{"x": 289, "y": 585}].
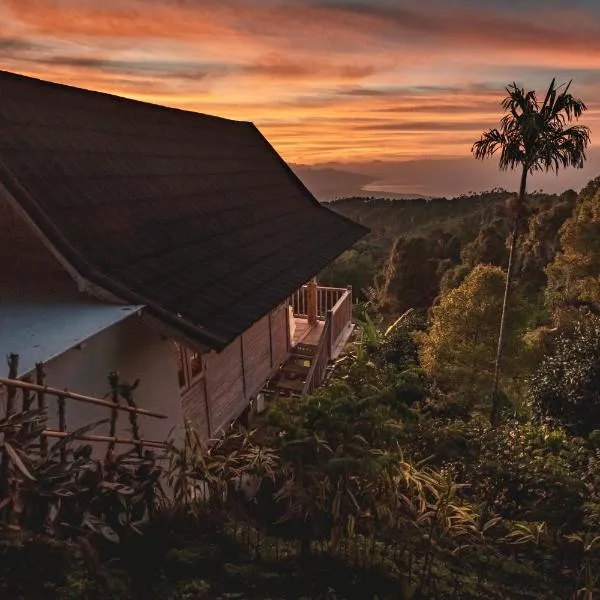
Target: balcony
[
  {"x": 321, "y": 326},
  {"x": 313, "y": 307}
]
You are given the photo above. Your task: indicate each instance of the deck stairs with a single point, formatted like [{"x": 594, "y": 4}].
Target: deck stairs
[
  {"x": 315, "y": 342},
  {"x": 295, "y": 370}
]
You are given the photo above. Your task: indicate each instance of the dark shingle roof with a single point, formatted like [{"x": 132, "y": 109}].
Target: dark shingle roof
[{"x": 195, "y": 216}]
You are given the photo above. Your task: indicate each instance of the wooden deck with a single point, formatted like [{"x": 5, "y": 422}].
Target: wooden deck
[
  {"x": 311, "y": 336},
  {"x": 305, "y": 334}
]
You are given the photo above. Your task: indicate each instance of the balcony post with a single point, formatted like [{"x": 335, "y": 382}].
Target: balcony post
[{"x": 311, "y": 301}]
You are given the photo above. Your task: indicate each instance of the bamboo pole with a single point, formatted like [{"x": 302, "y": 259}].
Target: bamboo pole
[
  {"x": 15, "y": 383},
  {"x": 13, "y": 368},
  {"x": 40, "y": 377},
  {"x": 5, "y": 484},
  {"x": 27, "y": 397},
  {"x": 114, "y": 415},
  {"x": 135, "y": 428},
  {"x": 62, "y": 425},
  {"x": 27, "y": 402},
  {"x": 105, "y": 438}
]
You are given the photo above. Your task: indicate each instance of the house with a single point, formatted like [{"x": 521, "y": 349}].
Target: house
[{"x": 173, "y": 246}]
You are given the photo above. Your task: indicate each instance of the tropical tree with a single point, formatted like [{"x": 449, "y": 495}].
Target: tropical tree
[
  {"x": 533, "y": 136},
  {"x": 574, "y": 275},
  {"x": 410, "y": 277},
  {"x": 458, "y": 349}
]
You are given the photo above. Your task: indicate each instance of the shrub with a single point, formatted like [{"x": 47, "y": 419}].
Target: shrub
[{"x": 566, "y": 386}]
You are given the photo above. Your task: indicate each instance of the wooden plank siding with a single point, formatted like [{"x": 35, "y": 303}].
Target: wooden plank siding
[
  {"x": 235, "y": 375},
  {"x": 280, "y": 335},
  {"x": 225, "y": 384},
  {"x": 195, "y": 408},
  {"x": 257, "y": 356}
]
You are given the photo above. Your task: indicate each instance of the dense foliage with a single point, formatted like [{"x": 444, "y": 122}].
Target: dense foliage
[
  {"x": 575, "y": 273},
  {"x": 459, "y": 347},
  {"x": 419, "y": 249},
  {"x": 566, "y": 386}
]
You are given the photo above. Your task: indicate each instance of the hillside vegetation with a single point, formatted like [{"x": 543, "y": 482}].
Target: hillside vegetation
[
  {"x": 389, "y": 483},
  {"x": 452, "y": 454},
  {"x": 418, "y": 248},
  {"x": 389, "y": 219}
]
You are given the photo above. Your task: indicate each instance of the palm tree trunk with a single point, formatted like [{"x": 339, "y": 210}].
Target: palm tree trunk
[{"x": 494, "y": 418}]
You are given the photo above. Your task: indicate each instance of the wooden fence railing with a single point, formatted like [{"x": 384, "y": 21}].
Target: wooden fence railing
[
  {"x": 337, "y": 320},
  {"x": 320, "y": 360},
  {"x": 327, "y": 297},
  {"x": 341, "y": 317}
]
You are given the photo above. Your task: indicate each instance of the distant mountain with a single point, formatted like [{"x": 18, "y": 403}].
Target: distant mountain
[
  {"x": 455, "y": 176},
  {"x": 329, "y": 183},
  {"x": 430, "y": 178}
]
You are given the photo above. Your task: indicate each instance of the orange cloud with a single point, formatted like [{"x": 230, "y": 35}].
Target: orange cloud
[{"x": 324, "y": 79}]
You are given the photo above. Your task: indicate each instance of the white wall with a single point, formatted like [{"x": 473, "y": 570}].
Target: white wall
[
  {"x": 135, "y": 351},
  {"x": 28, "y": 270}
]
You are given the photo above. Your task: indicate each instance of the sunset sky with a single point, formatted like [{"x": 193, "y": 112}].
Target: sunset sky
[{"x": 326, "y": 80}]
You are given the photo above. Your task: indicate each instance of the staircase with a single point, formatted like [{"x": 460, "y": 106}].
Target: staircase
[
  {"x": 316, "y": 341},
  {"x": 294, "y": 371}
]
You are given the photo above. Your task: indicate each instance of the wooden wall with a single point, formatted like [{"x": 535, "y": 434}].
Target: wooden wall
[
  {"x": 256, "y": 346},
  {"x": 225, "y": 385},
  {"x": 280, "y": 335},
  {"x": 236, "y": 374},
  {"x": 193, "y": 402}
]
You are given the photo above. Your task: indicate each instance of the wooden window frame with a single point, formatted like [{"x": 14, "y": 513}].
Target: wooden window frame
[
  {"x": 185, "y": 354},
  {"x": 194, "y": 377}
]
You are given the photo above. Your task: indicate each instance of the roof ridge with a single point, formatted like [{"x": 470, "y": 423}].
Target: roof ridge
[{"x": 114, "y": 97}]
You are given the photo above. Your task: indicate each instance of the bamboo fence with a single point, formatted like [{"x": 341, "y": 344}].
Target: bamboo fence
[{"x": 38, "y": 395}]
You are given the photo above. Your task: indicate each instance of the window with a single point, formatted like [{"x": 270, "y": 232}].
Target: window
[
  {"x": 189, "y": 365},
  {"x": 195, "y": 364},
  {"x": 180, "y": 365}
]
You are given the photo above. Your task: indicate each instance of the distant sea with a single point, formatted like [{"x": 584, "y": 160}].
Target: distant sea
[
  {"x": 384, "y": 189},
  {"x": 392, "y": 188}
]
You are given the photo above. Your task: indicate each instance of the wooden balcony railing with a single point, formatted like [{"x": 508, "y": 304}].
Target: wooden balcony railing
[
  {"x": 337, "y": 320},
  {"x": 341, "y": 318},
  {"x": 327, "y": 297},
  {"x": 318, "y": 368}
]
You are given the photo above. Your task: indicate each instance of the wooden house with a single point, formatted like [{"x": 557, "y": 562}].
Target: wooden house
[{"x": 174, "y": 247}]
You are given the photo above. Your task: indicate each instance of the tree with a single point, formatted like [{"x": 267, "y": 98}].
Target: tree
[
  {"x": 410, "y": 276},
  {"x": 459, "y": 348},
  {"x": 533, "y": 136},
  {"x": 574, "y": 275},
  {"x": 356, "y": 267},
  {"x": 540, "y": 245},
  {"x": 566, "y": 386}
]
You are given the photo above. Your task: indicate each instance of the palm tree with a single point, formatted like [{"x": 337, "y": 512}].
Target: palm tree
[{"x": 535, "y": 137}]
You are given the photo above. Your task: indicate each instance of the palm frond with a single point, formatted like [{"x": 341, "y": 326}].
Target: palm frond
[{"x": 537, "y": 136}]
